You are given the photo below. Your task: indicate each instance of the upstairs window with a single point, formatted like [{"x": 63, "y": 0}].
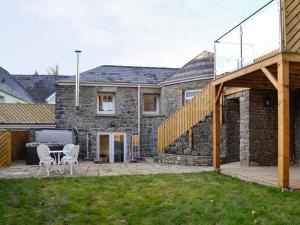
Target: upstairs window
[
  {"x": 151, "y": 104},
  {"x": 2, "y": 99},
  {"x": 106, "y": 103},
  {"x": 190, "y": 94}
]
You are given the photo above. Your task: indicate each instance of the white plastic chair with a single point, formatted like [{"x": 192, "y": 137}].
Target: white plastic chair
[
  {"x": 67, "y": 148},
  {"x": 45, "y": 159},
  {"x": 71, "y": 158}
]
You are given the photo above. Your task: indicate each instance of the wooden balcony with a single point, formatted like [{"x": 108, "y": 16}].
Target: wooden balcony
[{"x": 280, "y": 72}]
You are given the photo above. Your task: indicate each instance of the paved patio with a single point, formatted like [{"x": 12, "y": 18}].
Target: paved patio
[
  {"x": 20, "y": 170},
  {"x": 266, "y": 175}
]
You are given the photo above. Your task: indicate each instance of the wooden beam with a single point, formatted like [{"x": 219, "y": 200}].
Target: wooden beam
[
  {"x": 220, "y": 91},
  {"x": 234, "y": 90},
  {"x": 291, "y": 57},
  {"x": 283, "y": 124},
  {"x": 270, "y": 76},
  {"x": 247, "y": 70},
  {"x": 216, "y": 127}
]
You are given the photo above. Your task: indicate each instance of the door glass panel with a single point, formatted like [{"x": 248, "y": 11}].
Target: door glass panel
[
  {"x": 119, "y": 148},
  {"x": 104, "y": 147}
]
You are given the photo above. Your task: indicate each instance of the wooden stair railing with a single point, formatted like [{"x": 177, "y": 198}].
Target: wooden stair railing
[{"x": 185, "y": 118}]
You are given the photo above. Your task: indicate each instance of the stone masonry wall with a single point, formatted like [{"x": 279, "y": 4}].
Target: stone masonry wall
[
  {"x": 125, "y": 118},
  {"x": 201, "y": 152},
  {"x": 248, "y": 132},
  {"x": 149, "y": 126},
  {"x": 231, "y": 130},
  {"x": 263, "y": 128},
  {"x": 295, "y": 125},
  {"x": 172, "y": 95},
  {"x": 257, "y": 129}
]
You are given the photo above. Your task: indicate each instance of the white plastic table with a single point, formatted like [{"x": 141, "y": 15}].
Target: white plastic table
[{"x": 57, "y": 154}]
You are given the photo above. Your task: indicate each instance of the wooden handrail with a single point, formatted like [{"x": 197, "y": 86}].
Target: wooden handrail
[{"x": 185, "y": 118}]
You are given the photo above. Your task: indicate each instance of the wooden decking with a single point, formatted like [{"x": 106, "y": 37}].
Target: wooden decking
[{"x": 266, "y": 175}]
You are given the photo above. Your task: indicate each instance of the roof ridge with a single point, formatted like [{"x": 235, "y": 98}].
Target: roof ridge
[
  {"x": 150, "y": 67},
  {"x": 169, "y": 79},
  {"x": 60, "y": 75}
]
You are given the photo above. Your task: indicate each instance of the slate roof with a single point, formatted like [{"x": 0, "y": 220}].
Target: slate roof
[
  {"x": 9, "y": 85},
  {"x": 126, "y": 74},
  {"x": 27, "y": 113},
  {"x": 201, "y": 67},
  {"x": 40, "y": 87}
]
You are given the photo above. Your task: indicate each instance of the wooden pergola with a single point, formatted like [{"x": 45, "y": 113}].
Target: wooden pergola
[{"x": 280, "y": 72}]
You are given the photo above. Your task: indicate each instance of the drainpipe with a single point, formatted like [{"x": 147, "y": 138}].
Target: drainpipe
[
  {"x": 77, "y": 83},
  {"x": 139, "y": 119}
]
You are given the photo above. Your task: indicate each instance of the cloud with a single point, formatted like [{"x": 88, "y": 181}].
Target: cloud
[
  {"x": 142, "y": 32},
  {"x": 122, "y": 32}
]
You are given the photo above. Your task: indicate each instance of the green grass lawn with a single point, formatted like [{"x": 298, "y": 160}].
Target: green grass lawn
[{"x": 203, "y": 198}]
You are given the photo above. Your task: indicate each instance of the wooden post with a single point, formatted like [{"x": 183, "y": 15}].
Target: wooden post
[
  {"x": 216, "y": 127},
  {"x": 283, "y": 124},
  {"x": 190, "y": 138}
]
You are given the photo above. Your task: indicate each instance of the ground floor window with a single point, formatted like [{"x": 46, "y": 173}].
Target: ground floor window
[{"x": 111, "y": 147}]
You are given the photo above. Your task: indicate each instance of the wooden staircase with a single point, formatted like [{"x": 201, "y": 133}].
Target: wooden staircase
[{"x": 185, "y": 118}]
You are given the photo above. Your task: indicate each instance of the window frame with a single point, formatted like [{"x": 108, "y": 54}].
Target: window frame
[
  {"x": 113, "y": 112},
  {"x": 189, "y": 91},
  {"x": 157, "y": 97}
]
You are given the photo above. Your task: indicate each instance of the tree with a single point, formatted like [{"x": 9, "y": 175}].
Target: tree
[
  {"x": 53, "y": 70},
  {"x": 35, "y": 72}
]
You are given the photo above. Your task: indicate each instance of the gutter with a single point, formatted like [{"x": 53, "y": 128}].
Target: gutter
[
  {"x": 82, "y": 83},
  {"x": 27, "y": 126},
  {"x": 183, "y": 80}
]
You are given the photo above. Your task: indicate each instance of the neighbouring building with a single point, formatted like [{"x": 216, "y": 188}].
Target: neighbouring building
[
  {"x": 11, "y": 91},
  {"x": 40, "y": 87},
  {"x": 120, "y": 105}
]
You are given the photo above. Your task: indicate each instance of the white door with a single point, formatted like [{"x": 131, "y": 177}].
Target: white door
[{"x": 111, "y": 147}]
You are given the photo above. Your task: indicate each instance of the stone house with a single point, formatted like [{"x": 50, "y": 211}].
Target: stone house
[{"x": 120, "y": 105}]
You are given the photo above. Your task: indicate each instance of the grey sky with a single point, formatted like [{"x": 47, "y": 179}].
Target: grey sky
[{"x": 38, "y": 33}]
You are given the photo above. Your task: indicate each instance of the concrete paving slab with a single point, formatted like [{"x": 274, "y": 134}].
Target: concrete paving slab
[{"x": 20, "y": 170}]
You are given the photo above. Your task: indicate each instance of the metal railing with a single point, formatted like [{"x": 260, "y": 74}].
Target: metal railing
[{"x": 254, "y": 37}]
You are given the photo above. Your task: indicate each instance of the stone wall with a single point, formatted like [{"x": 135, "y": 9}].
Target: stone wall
[
  {"x": 88, "y": 121},
  {"x": 295, "y": 126},
  {"x": 149, "y": 126},
  {"x": 201, "y": 151},
  {"x": 248, "y": 132},
  {"x": 254, "y": 133},
  {"x": 172, "y": 95},
  {"x": 263, "y": 128},
  {"x": 187, "y": 160},
  {"x": 231, "y": 130}
]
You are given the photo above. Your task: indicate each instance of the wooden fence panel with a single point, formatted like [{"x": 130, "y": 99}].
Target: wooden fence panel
[{"x": 5, "y": 148}]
